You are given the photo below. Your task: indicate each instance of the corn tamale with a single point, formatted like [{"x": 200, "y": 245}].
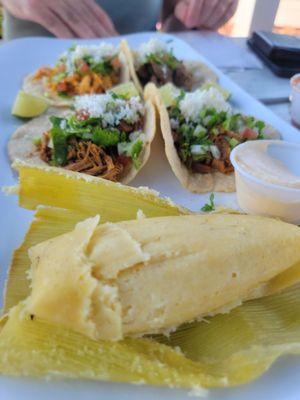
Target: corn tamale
[{"x": 150, "y": 275}]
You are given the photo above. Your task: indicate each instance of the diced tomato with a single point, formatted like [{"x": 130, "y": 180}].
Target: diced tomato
[
  {"x": 82, "y": 115},
  {"x": 84, "y": 68},
  {"x": 116, "y": 63},
  {"x": 62, "y": 86},
  {"x": 249, "y": 134}
]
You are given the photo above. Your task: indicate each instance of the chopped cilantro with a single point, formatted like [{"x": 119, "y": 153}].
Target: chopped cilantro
[
  {"x": 73, "y": 47},
  {"x": 233, "y": 142},
  {"x": 105, "y": 137},
  {"x": 60, "y": 146},
  {"x": 163, "y": 59},
  {"x": 136, "y": 149},
  {"x": 208, "y": 207},
  {"x": 103, "y": 68},
  {"x": 260, "y": 125},
  {"x": 56, "y": 121}
]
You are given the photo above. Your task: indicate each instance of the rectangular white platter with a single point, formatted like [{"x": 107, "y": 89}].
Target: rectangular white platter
[{"x": 22, "y": 56}]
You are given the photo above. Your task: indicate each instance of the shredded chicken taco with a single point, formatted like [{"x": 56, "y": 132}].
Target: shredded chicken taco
[
  {"x": 107, "y": 135},
  {"x": 200, "y": 129},
  {"x": 155, "y": 62},
  {"x": 80, "y": 70}
]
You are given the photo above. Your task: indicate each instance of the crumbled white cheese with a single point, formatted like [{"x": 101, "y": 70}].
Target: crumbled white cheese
[
  {"x": 198, "y": 391},
  {"x": 153, "y": 46},
  {"x": 192, "y": 103},
  {"x": 110, "y": 109},
  {"x": 98, "y": 52}
]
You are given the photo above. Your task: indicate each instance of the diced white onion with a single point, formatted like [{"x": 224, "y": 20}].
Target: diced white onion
[
  {"x": 174, "y": 123},
  {"x": 215, "y": 152},
  {"x": 199, "y": 149},
  {"x": 199, "y": 129}
]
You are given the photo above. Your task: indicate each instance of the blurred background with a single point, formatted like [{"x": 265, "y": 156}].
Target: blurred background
[{"x": 281, "y": 16}]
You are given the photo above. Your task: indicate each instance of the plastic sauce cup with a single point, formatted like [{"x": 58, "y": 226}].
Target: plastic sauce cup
[
  {"x": 260, "y": 197},
  {"x": 295, "y": 100}
]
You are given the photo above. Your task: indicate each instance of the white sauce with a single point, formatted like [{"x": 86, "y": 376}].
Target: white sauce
[
  {"x": 267, "y": 179},
  {"x": 257, "y": 162}
]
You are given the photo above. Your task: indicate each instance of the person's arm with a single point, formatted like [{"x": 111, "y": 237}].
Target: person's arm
[
  {"x": 197, "y": 14},
  {"x": 64, "y": 18}
]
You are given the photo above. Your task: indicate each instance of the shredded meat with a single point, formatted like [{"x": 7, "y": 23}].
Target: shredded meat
[
  {"x": 162, "y": 73},
  {"x": 182, "y": 77},
  {"x": 222, "y": 164},
  {"x": 128, "y": 128},
  {"x": 209, "y": 163},
  {"x": 125, "y": 127},
  {"x": 176, "y": 136},
  {"x": 83, "y": 81},
  {"x": 87, "y": 157},
  {"x": 44, "y": 149},
  {"x": 201, "y": 167}
]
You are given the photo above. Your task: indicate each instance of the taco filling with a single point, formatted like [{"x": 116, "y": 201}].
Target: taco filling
[
  {"x": 82, "y": 70},
  {"x": 205, "y": 130},
  {"x": 104, "y": 137},
  {"x": 156, "y": 63}
]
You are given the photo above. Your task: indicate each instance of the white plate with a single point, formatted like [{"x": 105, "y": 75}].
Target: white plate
[{"x": 23, "y": 56}]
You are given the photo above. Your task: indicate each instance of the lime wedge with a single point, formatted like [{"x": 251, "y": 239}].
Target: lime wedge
[
  {"x": 126, "y": 90},
  {"x": 169, "y": 92},
  {"x": 226, "y": 94},
  {"x": 27, "y": 106}
]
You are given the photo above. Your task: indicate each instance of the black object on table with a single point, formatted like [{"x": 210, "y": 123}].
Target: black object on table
[{"x": 281, "y": 53}]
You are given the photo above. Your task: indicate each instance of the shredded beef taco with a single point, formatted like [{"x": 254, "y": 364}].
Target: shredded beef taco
[
  {"x": 155, "y": 62},
  {"x": 107, "y": 135},
  {"x": 200, "y": 129},
  {"x": 80, "y": 70}
]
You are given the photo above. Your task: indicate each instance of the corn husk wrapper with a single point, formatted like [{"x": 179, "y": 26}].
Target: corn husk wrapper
[
  {"x": 225, "y": 350},
  {"x": 55, "y": 187}
]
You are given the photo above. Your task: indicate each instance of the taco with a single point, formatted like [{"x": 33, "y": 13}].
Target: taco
[
  {"x": 200, "y": 129},
  {"x": 107, "y": 136},
  {"x": 80, "y": 70},
  {"x": 155, "y": 62}
]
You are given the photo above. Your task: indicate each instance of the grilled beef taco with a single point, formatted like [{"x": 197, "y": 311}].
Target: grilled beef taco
[
  {"x": 155, "y": 62},
  {"x": 200, "y": 129},
  {"x": 108, "y": 136},
  {"x": 80, "y": 70}
]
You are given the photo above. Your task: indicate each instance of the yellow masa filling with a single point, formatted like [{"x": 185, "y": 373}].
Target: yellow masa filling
[{"x": 140, "y": 277}]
